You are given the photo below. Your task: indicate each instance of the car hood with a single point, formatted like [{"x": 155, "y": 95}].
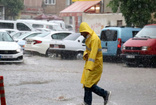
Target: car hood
[
  {"x": 138, "y": 42},
  {"x": 8, "y": 46}
]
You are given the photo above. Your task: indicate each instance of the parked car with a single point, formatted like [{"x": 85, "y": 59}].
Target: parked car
[
  {"x": 42, "y": 24},
  {"x": 17, "y": 25},
  {"x": 72, "y": 46},
  {"x": 10, "y": 51},
  {"x": 40, "y": 43},
  {"x": 112, "y": 38},
  {"x": 142, "y": 48},
  {"x": 43, "y": 29},
  {"x": 18, "y": 33},
  {"x": 10, "y": 30},
  {"x": 21, "y": 40}
]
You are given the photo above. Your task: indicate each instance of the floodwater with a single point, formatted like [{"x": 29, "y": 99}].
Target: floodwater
[{"x": 48, "y": 81}]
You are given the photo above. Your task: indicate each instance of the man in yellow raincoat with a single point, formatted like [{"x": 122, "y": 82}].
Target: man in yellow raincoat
[{"x": 93, "y": 65}]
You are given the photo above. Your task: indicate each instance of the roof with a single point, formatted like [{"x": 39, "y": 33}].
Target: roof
[{"x": 77, "y": 8}]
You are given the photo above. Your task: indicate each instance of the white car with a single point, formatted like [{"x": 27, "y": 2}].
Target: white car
[
  {"x": 18, "y": 33},
  {"x": 21, "y": 40},
  {"x": 10, "y": 51},
  {"x": 10, "y": 30},
  {"x": 40, "y": 43},
  {"x": 72, "y": 46}
]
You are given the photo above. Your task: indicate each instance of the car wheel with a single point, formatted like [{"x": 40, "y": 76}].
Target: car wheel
[
  {"x": 50, "y": 54},
  {"x": 64, "y": 56},
  {"x": 79, "y": 55}
]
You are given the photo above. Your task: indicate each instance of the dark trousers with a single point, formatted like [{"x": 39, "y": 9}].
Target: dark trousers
[{"x": 88, "y": 93}]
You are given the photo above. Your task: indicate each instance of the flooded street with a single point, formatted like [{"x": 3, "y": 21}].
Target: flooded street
[{"x": 47, "y": 81}]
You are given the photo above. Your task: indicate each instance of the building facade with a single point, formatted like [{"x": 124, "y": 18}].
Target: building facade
[{"x": 33, "y": 8}]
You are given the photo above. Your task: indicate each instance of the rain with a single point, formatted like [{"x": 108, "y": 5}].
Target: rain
[{"x": 45, "y": 78}]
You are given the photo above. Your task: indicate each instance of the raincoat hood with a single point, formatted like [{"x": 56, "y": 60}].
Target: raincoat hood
[{"x": 84, "y": 27}]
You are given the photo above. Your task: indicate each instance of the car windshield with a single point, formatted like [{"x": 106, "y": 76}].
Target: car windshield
[
  {"x": 5, "y": 37},
  {"x": 44, "y": 34},
  {"x": 147, "y": 32},
  {"x": 72, "y": 36},
  {"x": 109, "y": 35}
]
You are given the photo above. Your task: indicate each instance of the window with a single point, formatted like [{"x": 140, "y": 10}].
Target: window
[
  {"x": 59, "y": 35},
  {"x": 50, "y": 2},
  {"x": 134, "y": 33},
  {"x": 109, "y": 35},
  {"x": 68, "y": 2},
  {"x": 23, "y": 27},
  {"x": 7, "y": 25},
  {"x": 119, "y": 22},
  {"x": 72, "y": 36},
  {"x": 37, "y": 26},
  {"x": 5, "y": 37}
]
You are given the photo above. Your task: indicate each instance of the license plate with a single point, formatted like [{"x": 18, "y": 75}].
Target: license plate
[
  {"x": 56, "y": 46},
  {"x": 4, "y": 56},
  {"x": 130, "y": 56},
  {"x": 29, "y": 42},
  {"x": 104, "y": 50}
]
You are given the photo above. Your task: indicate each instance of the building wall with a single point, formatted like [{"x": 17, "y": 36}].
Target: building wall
[
  {"x": 33, "y": 3},
  {"x": 98, "y": 21},
  {"x": 55, "y": 9},
  {"x": 31, "y": 8}
]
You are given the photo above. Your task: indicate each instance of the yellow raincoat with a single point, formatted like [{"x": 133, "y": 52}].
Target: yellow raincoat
[{"x": 94, "y": 63}]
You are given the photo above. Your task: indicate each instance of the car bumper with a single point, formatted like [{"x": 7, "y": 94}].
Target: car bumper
[
  {"x": 11, "y": 57},
  {"x": 61, "y": 51},
  {"x": 37, "y": 48},
  {"x": 127, "y": 58}
]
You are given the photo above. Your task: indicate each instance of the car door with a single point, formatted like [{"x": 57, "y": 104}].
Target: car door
[
  {"x": 80, "y": 44},
  {"x": 109, "y": 42}
]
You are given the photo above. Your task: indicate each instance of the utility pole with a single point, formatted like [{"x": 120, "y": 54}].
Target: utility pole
[{"x": 102, "y": 6}]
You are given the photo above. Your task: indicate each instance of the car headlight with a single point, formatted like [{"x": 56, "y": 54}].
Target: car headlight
[
  {"x": 145, "y": 48},
  {"x": 123, "y": 47},
  {"x": 18, "y": 50}
]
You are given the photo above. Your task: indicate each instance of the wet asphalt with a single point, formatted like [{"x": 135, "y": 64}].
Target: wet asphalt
[{"x": 41, "y": 80}]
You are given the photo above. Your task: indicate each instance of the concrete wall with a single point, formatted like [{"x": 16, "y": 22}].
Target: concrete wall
[{"x": 99, "y": 21}]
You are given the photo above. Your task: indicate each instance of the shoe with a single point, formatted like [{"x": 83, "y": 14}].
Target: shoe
[{"x": 107, "y": 97}]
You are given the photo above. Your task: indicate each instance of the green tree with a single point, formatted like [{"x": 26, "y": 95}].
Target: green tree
[
  {"x": 12, "y": 7},
  {"x": 136, "y": 12}
]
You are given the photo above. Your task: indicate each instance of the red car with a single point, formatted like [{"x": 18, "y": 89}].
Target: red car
[{"x": 142, "y": 48}]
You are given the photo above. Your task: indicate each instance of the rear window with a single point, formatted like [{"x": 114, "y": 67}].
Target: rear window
[
  {"x": 109, "y": 35},
  {"x": 59, "y": 35},
  {"x": 72, "y": 36}
]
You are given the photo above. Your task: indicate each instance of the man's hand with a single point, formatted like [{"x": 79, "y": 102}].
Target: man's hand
[{"x": 86, "y": 56}]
